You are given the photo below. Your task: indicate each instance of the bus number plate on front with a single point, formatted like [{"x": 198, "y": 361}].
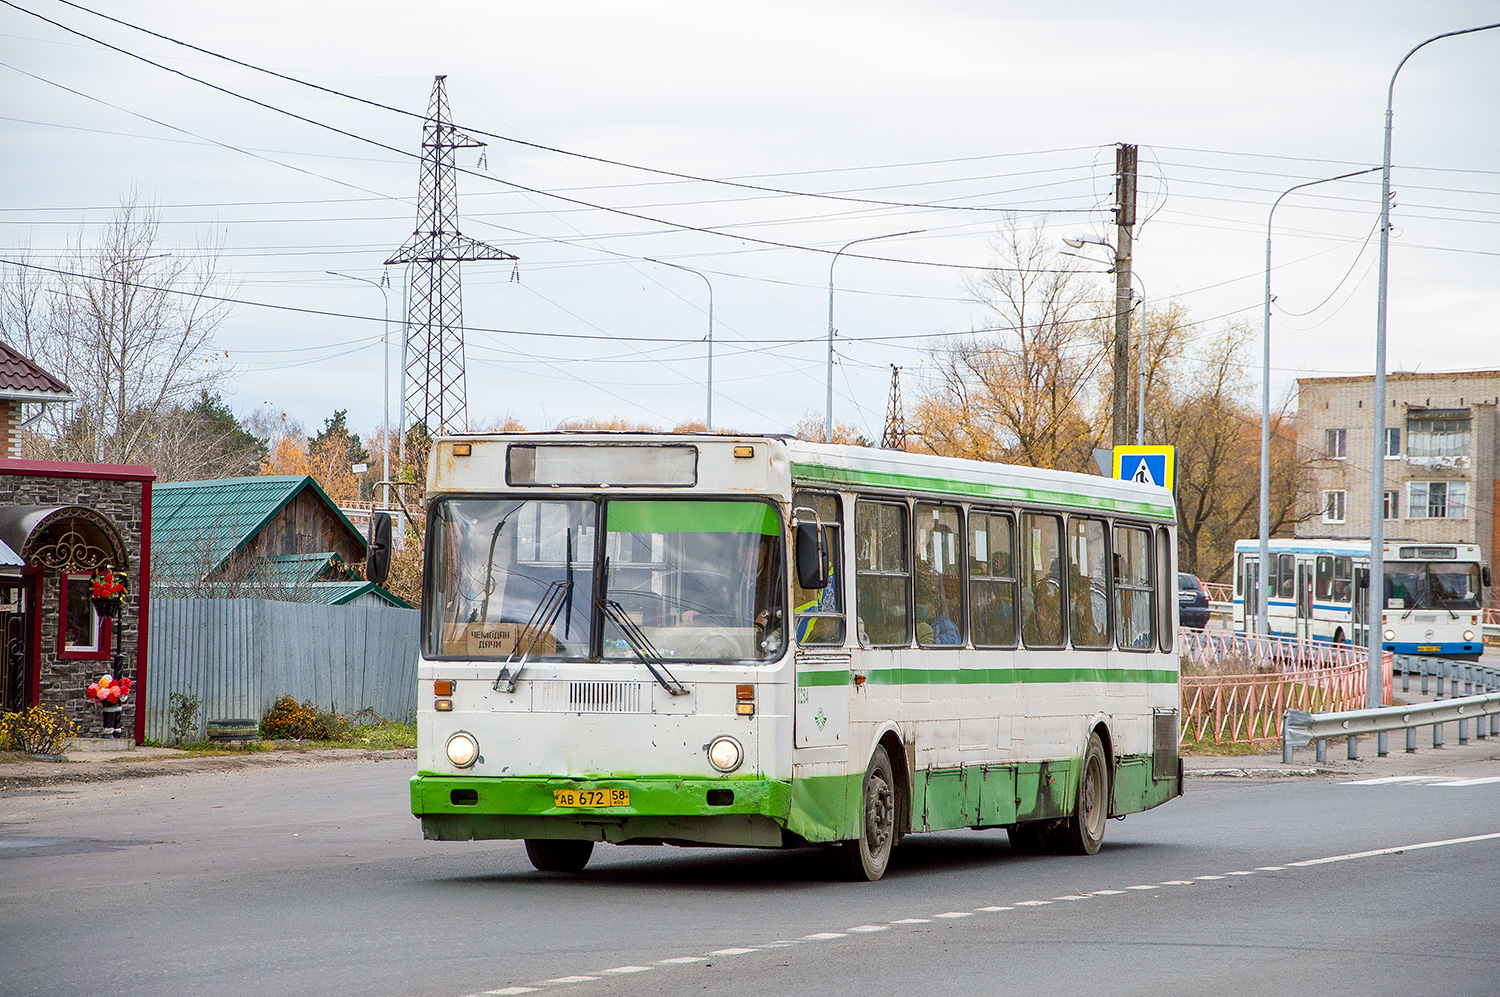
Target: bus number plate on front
[
  {"x": 1428, "y": 649},
  {"x": 591, "y": 797}
]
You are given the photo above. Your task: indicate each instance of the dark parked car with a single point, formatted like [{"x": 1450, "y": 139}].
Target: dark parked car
[{"x": 1192, "y": 601}]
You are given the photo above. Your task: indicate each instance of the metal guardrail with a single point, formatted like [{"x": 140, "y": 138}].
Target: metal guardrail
[{"x": 1300, "y": 727}]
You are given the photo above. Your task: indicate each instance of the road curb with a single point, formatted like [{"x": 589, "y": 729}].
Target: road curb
[{"x": 43, "y": 775}]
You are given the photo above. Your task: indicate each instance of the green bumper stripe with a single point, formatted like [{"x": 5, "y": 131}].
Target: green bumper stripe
[
  {"x": 693, "y": 516},
  {"x": 992, "y": 676},
  {"x": 820, "y": 474},
  {"x": 656, "y": 797}
]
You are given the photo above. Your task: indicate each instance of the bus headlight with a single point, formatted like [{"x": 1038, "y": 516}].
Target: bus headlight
[
  {"x": 463, "y": 750},
  {"x": 1390, "y": 635},
  {"x": 1468, "y": 635},
  {"x": 724, "y": 754}
]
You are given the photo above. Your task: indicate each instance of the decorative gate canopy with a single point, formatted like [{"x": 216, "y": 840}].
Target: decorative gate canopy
[{"x": 65, "y": 538}]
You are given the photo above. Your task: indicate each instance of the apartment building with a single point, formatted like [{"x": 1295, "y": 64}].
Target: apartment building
[{"x": 1439, "y": 455}]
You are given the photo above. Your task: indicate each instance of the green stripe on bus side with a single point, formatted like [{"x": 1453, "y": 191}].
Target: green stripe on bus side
[
  {"x": 693, "y": 516},
  {"x": 990, "y": 676},
  {"x": 822, "y": 474}
]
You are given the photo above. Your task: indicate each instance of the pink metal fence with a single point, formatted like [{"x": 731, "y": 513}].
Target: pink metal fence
[
  {"x": 1219, "y": 591},
  {"x": 1235, "y": 689}
]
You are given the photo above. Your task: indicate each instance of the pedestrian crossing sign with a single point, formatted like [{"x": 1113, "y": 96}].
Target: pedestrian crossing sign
[{"x": 1147, "y": 465}]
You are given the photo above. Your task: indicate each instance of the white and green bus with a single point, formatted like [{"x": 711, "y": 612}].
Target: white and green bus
[{"x": 758, "y": 641}]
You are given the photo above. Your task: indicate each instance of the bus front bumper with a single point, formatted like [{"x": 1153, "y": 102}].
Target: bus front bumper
[{"x": 746, "y": 811}]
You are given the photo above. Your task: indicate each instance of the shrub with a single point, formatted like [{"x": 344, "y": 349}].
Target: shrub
[
  {"x": 306, "y": 721},
  {"x": 184, "y": 711},
  {"x": 37, "y": 730}
]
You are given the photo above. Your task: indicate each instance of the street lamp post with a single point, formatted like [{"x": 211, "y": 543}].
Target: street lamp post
[
  {"x": 1263, "y": 618},
  {"x": 1078, "y": 241},
  {"x": 708, "y": 416},
  {"x": 385, "y": 448},
  {"x": 828, "y": 410},
  {"x": 1377, "y": 484}
]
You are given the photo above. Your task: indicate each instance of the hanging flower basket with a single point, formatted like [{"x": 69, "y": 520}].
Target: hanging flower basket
[{"x": 106, "y": 592}]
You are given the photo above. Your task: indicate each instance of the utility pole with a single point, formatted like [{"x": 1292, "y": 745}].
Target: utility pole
[
  {"x": 1125, "y": 160},
  {"x": 433, "y": 367},
  {"x": 894, "y": 436}
]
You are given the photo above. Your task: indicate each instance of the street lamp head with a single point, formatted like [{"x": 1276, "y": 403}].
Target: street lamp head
[{"x": 1077, "y": 240}]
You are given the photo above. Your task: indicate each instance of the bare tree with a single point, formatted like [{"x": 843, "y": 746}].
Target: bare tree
[
  {"x": 1022, "y": 391},
  {"x": 129, "y": 326}
]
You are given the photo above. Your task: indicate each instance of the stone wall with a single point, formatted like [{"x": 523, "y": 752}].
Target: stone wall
[{"x": 63, "y": 680}]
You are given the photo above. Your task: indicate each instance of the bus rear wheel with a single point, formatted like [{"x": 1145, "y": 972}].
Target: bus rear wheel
[
  {"x": 866, "y": 857},
  {"x": 558, "y": 855},
  {"x": 1083, "y": 833}
]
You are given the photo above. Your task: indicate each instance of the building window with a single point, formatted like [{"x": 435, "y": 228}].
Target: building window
[
  {"x": 1430, "y": 436},
  {"x": 83, "y": 633},
  {"x": 1437, "y": 499},
  {"x": 1393, "y": 505},
  {"x": 1336, "y": 443},
  {"x": 1393, "y": 443},
  {"x": 1333, "y": 507}
]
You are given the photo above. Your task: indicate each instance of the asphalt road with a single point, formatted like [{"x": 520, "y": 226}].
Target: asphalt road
[{"x": 315, "y": 880}]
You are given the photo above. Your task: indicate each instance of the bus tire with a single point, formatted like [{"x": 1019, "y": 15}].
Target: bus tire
[
  {"x": 1083, "y": 833},
  {"x": 558, "y": 855},
  {"x": 1338, "y": 636},
  {"x": 866, "y": 857}
]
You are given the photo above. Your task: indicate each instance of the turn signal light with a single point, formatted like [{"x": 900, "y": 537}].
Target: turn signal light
[
  {"x": 443, "y": 706},
  {"x": 745, "y": 709},
  {"x": 744, "y": 692},
  {"x": 744, "y": 451},
  {"x": 442, "y": 687}
]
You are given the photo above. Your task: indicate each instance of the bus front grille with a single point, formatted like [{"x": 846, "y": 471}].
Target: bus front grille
[{"x": 591, "y": 697}]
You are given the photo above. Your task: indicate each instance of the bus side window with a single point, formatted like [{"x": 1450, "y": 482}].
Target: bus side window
[
  {"x": 1166, "y": 589},
  {"x": 1133, "y": 589},
  {"x": 1088, "y": 583},
  {"x": 992, "y": 579},
  {"x": 820, "y": 612},
  {"x": 939, "y": 581},
  {"x": 1041, "y": 580},
  {"x": 882, "y": 581},
  {"x": 1343, "y": 579},
  {"x": 1324, "y": 577},
  {"x": 1287, "y": 574}
]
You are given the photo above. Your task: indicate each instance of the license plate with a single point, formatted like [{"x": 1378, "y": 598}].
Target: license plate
[
  {"x": 1428, "y": 649},
  {"x": 591, "y": 797}
]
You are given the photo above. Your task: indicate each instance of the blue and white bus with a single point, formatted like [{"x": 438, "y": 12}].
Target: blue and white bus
[{"x": 1319, "y": 591}]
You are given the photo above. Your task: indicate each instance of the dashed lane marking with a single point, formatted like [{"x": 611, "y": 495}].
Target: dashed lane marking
[{"x": 515, "y": 991}]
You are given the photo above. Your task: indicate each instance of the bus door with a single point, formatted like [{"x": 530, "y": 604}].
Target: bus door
[
  {"x": 1360, "y": 621},
  {"x": 1251, "y": 585},
  {"x": 1304, "y": 628}
]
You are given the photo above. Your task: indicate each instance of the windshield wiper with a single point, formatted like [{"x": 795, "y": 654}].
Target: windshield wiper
[
  {"x": 541, "y": 622},
  {"x": 642, "y": 646},
  {"x": 1436, "y": 588}
]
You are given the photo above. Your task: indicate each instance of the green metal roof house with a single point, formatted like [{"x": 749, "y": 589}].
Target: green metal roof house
[{"x": 276, "y": 537}]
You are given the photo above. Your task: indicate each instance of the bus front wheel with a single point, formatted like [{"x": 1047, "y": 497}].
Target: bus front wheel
[
  {"x": 1083, "y": 833},
  {"x": 558, "y": 855},
  {"x": 867, "y": 857}
]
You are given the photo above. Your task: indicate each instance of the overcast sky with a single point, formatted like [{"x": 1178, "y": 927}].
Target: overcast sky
[{"x": 980, "y": 106}]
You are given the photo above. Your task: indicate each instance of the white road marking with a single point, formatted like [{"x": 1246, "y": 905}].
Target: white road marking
[
  {"x": 1385, "y": 780},
  {"x": 867, "y": 928},
  {"x": 1396, "y": 850},
  {"x": 1451, "y": 783}
]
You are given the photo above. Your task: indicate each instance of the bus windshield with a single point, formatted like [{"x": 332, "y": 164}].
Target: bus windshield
[
  {"x": 1431, "y": 585},
  {"x": 698, "y": 579}
]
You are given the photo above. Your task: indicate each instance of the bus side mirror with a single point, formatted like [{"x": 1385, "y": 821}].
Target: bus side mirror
[
  {"x": 378, "y": 557},
  {"x": 811, "y": 556},
  {"x": 1484, "y": 575}
]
